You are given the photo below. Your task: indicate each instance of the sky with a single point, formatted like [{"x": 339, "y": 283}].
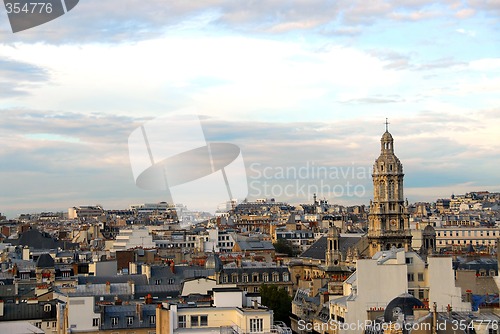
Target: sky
[{"x": 303, "y": 88}]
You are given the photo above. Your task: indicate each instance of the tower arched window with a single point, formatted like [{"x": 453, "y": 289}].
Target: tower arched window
[
  {"x": 382, "y": 189},
  {"x": 391, "y": 189}
]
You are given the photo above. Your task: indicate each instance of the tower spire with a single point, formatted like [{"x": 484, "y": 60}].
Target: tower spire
[{"x": 387, "y": 125}]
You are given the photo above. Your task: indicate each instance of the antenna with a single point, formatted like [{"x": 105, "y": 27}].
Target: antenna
[{"x": 387, "y": 125}]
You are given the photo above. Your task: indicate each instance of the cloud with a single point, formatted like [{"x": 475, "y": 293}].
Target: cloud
[
  {"x": 57, "y": 160},
  {"x": 374, "y": 100},
  {"x": 115, "y": 21},
  {"x": 466, "y": 32},
  {"x": 17, "y": 78},
  {"x": 465, "y": 13}
]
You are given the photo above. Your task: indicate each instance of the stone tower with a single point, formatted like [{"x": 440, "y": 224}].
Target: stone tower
[
  {"x": 388, "y": 224},
  {"x": 333, "y": 257}
]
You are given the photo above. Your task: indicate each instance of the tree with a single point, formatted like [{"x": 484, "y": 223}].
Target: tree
[
  {"x": 278, "y": 300},
  {"x": 284, "y": 246}
]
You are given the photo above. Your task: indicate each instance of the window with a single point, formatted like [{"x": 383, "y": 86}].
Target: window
[
  {"x": 95, "y": 322},
  {"x": 114, "y": 321},
  {"x": 409, "y": 260},
  {"x": 152, "y": 319},
  {"x": 420, "y": 294},
  {"x": 286, "y": 278},
  {"x": 276, "y": 277},
  {"x": 245, "y": 278},
  {"x": 235, "y": 278},
  {"x": 410, "y": 277},
  {"x": 256, "y": 289},
  {"x": 256, "y": 325},
  {"x": 224, "y": 278},
  {"x": 199, "y": 320},
  {"x": 171, "y": 281},
  {"x": 255, "y": 277},
  {"x": 265, "y": 277},
  {"x": 181, "y": 321},
  {"x": 38, "y": 324},
  {"x": 54, "y": 324},
  {"x": 158, "y": 282},
  {"x": 391, "y": 188},
  {"x": 420, "y": 277},
  {"x": 47, "y": 307},
  {"x": 130, "y": 321}
]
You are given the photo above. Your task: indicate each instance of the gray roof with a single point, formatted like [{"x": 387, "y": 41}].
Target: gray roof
[
  {"x": 318, "y": 249},
  {"x": 137, "y": 279},
  {"x": 35, "y": 239},
  {"x": 25, "y": 290},
  {"x": 249, "y": 244},
  {"x": 158, "y": 288},
  {"x": 115, "y": 289},
  {"x": 19, "y": 327},
  {"x": 25, "y": 311},
  {"x": 139, "y": 313},
  {"x": 45, "y": 261}
]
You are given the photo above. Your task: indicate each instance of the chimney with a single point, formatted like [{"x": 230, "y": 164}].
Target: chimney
[
  {"x": 149, "y": 299},
  {"x": 468, "y": 296},
  {"x": 172, "y": 266},
  {"x": 138, "y": 310},
  {"x": 255, "y": 304},
  {"x": 75, "y": 269},
  {"x": 147, "y": 270},
  {"x": 108, "y": 287},
  {"x": 131, "y": 284}
]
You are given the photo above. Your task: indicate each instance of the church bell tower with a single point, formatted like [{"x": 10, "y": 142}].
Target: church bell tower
[{"x": 388, "y": 224}]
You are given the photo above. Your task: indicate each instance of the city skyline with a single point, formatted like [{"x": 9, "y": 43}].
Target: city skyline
[{"x": 304, "y": 85}]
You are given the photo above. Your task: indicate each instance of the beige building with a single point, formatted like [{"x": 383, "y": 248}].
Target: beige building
[
  {"x": 466, "y": 235},
  {"x": 230, "y": 313}
]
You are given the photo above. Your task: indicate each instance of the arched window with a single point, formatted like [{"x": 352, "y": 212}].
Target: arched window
[
  {"x": 391, "y": 189},
  {"x": 382, "y": 189}
]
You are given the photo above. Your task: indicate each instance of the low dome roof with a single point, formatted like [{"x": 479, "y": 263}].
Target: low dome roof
[
  {"x": 214, "y": 262},
  {"x": 387, "y": 136},
  {"x": 401, "y": 305}
]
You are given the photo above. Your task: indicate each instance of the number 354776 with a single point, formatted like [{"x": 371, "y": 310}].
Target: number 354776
[{"x": 29, "y": 7}]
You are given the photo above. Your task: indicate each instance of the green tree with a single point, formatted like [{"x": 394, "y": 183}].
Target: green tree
[
  {"x": 278, "y": 300},
  {"x": 284, "y": 246}
]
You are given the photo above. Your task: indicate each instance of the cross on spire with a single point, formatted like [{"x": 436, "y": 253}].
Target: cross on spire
[{"x": 387, "y": 125}]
